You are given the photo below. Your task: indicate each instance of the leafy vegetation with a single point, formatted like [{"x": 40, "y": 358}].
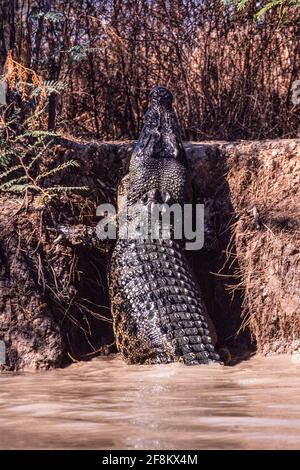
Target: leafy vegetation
[
  {"x": 22, "y": 147},
  {"x": 23, "y": 168},
  {"x": 262, "y": 7}
]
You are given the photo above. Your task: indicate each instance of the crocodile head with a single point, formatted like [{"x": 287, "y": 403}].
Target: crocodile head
[
  {"x": 160, "y": 136},
  {"x": 158, "y": 165}
]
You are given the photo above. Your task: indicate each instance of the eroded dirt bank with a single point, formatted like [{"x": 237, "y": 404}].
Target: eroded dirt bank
[{"x": 53, "y": 295}]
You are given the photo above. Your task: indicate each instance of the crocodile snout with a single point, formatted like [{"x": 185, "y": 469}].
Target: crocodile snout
[{"x": 160, "y": 95}]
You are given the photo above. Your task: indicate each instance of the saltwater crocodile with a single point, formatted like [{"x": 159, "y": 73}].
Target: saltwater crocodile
[{"x": 157, "y": 308}]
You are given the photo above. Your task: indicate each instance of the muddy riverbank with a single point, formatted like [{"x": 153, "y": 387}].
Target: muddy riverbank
[{"x": 54, "y": 306}]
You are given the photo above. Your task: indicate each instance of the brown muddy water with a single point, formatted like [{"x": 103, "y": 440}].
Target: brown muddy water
[{"x": 106, "y": 404}]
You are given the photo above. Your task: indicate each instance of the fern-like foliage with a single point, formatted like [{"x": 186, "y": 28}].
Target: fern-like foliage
[
  {"x": 265, "y": 6},
  {"x": 51, "y": 16},
  {"x": 22, "y": 164},
  {"x": 49, "y": 87},
  {"x": 80, "y": 52},
  {"x": 29, "y": 87}
]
